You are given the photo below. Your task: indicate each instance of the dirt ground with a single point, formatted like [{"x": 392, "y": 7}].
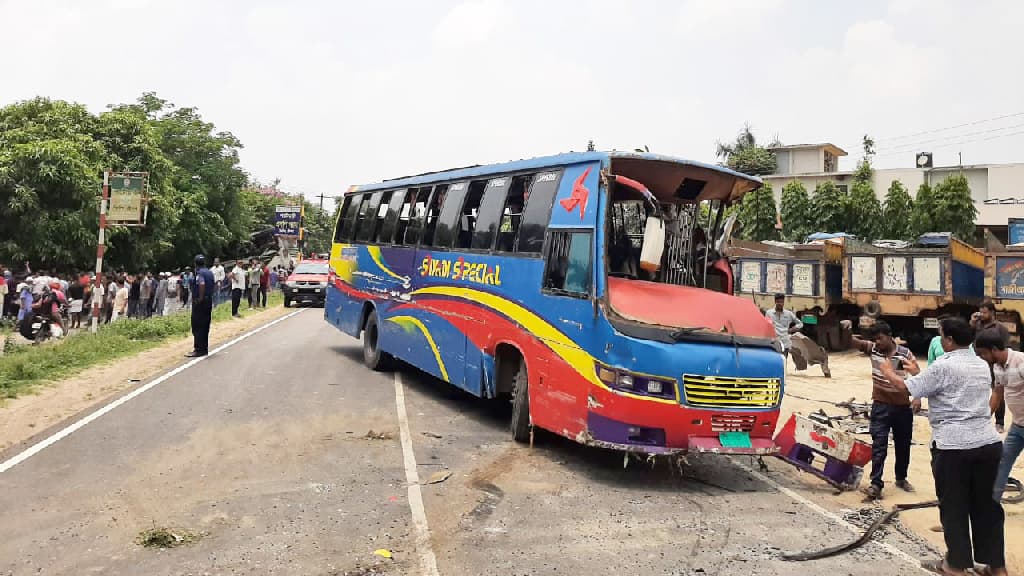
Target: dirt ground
[
  {"x": 809, "y": 391},
  {"x": 29, "y": 414}
]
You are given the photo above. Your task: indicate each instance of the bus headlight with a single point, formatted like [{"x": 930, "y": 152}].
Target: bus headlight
[{"x": 634, "y": 383}]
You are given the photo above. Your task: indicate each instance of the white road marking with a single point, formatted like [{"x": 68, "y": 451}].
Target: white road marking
[
  {"x": 830, "y": 515},
  {"x": 65, "y": 432},
  {"x": 428, "y": 562}
]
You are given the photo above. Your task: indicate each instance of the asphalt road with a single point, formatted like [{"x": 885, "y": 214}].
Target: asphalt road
[{"x": 264, "y": 451}]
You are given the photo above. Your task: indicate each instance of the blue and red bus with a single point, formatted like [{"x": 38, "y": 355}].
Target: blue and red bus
[{"x": 590, "y": 289}]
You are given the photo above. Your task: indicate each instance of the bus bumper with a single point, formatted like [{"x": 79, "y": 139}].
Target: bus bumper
[{"x": 712, "y": 444}]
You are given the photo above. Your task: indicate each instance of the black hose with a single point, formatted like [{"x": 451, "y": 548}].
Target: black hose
[{"x": 837, "y": 550}]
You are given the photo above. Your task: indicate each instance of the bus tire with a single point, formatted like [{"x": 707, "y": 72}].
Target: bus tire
[
  {"x": 521, "y": 404},
  {"x": 373, "y": 357}
]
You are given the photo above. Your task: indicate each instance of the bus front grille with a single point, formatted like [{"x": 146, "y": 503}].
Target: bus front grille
[{"x": 727, "y": 392}]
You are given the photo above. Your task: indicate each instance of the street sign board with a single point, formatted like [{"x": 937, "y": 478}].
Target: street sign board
[
  {"x": 128, "y": 191},
  {"x": 287, "y": 220}
]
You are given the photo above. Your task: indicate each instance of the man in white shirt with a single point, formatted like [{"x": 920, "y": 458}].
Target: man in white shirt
[
  {"x": 1008, "y": 366},
  {"x": 785, "y": 322},
  {"x": 218, "y": 280},
  {"x": 237, "y": 287}
]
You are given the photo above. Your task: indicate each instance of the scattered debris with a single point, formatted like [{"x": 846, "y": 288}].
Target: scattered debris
[
  {"x": 868, "y": 534},
  {"x": 439, "y": 476},
  {"x": 431, "y": 435},
  {"x": 371, "y": 435},
  {"x": 167, "y": 537},
  {"x": 383, "y": 553}
]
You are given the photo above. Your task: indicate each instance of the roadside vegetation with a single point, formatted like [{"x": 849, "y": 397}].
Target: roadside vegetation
[{"x": 24, "y": 367}]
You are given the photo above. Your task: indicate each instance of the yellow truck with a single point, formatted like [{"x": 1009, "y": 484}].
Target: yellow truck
[{"x": 1004, "y": 284}]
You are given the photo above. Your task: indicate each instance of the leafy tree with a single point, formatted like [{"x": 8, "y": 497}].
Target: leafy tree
[
  {"x": 745, "y": 155},
  {"x": 829, "y": 208},
  {"x": 897, "y": 213},
  {"x": 926, "y": 206},
  {"x": 955, "y": 209},
  {"x": 757, "y": 216},
  {"x": 864, "y": 212},
  {"x": 795, "y": 209}
]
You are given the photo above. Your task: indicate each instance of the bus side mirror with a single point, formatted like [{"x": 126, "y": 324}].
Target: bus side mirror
[{"x": 653, "y": 245}]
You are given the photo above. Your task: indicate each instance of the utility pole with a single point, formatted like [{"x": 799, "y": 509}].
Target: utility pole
[
  {"x": 321, "y": 197},
  {"x": 100, "y": 250}
]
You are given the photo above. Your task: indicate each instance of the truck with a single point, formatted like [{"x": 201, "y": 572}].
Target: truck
[
  {"x": 1004, "y": 284},
  {"x": 911, "y": 287},
  {"x": 811, "y": 277}
]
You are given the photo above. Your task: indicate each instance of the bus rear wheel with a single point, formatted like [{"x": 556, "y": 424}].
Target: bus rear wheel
[
  {"x": 373, "y": 357},
  {"x": 521, "y": 404}
]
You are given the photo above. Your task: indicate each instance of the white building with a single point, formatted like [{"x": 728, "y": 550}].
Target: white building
[{"x": 997, "y": 189}]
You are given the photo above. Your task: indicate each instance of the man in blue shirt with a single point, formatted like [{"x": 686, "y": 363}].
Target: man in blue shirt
[{"x": 202, "y": 288}]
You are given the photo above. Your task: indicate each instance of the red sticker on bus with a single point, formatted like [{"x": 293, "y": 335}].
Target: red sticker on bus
[{"x": 579, "y": 196}]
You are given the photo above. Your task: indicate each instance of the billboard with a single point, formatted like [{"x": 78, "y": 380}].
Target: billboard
[
  {"x": 127, "y": 197},
  {"x": 287, "y": 220},
  {"x": 1010, "y": 278}
]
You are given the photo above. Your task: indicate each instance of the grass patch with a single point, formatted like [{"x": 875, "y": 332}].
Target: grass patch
[{"x": 27, "y": 366}]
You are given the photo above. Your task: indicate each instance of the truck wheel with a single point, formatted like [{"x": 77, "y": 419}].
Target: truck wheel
[
  {"x": 521, "y": 404},
  {"x": 873, "y": 309},
  {"x": 373, "y": 357}
]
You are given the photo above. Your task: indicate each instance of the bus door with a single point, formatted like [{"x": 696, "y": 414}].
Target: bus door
[{"x": 568, "y": 289}]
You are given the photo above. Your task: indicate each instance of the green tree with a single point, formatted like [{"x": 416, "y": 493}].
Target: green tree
[
  {"x": 828, "y": 205},
  {"x": 955, "y": 209},
  {"x": 897, "y": 213},
  {"x": 926, "y": 206},
  {"x": 864, "y": 212},
  {"x": 795, "y": 210},
  {"x": 746, "y": 155},
  {"x": 49, "y": 181},
  {"x": 757, "y": 215}
]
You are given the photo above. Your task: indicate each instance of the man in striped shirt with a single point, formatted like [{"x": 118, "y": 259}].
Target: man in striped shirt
[{"x": 891, "y": 408}]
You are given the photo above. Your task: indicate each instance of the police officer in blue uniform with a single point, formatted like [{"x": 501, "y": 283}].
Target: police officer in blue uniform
[{"x": 202, "y": 288}]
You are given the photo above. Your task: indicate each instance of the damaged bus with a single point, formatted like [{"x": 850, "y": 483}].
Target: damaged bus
[{"x": 589, "y": 289}]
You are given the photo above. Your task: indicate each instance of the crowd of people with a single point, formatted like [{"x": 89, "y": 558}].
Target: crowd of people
[
  {"x": 68, "y": 299},
  {"x": 972, "y": 378}
]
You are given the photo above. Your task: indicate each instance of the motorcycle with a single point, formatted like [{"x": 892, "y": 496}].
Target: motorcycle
[{"x": 38, "y": 328}]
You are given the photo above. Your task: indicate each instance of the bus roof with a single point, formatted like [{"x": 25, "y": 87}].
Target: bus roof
[{"x": 542, "y": 162}]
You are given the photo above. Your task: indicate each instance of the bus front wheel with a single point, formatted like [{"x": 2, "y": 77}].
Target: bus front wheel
[
  {"x": 373, "y": 357},
  {"x": 521, "y": 404}
]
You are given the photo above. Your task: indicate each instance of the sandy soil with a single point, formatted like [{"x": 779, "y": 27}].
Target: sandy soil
[
  {"x": 809, "y": 391},
  {"x": 30, "y": 414}
]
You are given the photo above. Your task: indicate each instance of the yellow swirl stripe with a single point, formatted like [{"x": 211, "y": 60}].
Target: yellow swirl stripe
[
  {"x": 582, "y": 362},
  {"x": 379, "y": 261},
  {"x": 410, "y": 322}
]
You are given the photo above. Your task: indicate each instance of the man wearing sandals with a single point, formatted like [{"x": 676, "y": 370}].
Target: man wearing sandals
[
  {"x": 891, "y": 409},
  {"x": 1009, "y": 387},
  {"x": 965, "y": 452}
]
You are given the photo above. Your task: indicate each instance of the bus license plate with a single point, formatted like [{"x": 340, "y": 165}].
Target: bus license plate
[{"x": 735, "y": 439}]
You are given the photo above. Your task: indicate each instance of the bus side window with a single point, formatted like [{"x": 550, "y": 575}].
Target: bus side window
[
  {"x": 382, "y": 212},
  {"x": 469, "y": 214},
  {"x": 360, "y": 216},
  {"x": 512, "y": 214},
  {"x": 417, "y": 215},
  {"x": 404, "y": 214},
  {"x": 432, "y": 214},
  {"x": 568, "y": 268},
  {"x": 368, "y": 217},
  {"x": 448, "y": 221},
  {"x": 346, "y": 222},
  {"x": 489, "y": 213},
  {"x": 540, "y": 197},
  {"x": 386, "y": 231}
]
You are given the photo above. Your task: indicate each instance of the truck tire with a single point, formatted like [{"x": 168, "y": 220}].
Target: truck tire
[
  {"x": 521, "y": 404},
  {"x": 873, "y": 309},
  {"x": 373, "y": 357}
]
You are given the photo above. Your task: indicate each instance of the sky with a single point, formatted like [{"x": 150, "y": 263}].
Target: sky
[{"x": 327, "y": 93}]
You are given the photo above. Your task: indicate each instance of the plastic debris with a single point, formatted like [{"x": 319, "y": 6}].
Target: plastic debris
[
  {"x": 383, "y": 553},
  {"x": 439, "y": 476}
]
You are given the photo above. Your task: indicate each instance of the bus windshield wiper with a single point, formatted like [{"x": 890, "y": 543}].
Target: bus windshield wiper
[{"x": 683, "y": 332}]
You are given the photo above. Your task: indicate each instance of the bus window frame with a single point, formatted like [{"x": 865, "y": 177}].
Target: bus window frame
[
  {"x": 559, "y": 173},
  {"x": 349, "y": 203},
  {"x": 454, "y": 215},
  {"x": 502, "y": 191},
  {"x": 367, "y": 226},
  {"x": 391, "y": 218},
  {"x": 546, "y": 253}
]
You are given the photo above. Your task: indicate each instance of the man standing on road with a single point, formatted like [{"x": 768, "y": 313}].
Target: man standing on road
[
  {"x": 202, "y": 308},
  {"x": 966, "y": 452},
  {"x": 891, "y": 408},
  {"x": 237, "y": 287},
  {"x": 1009, "y": 371},
  {"x": 218, "y": 279},
  {"x": 253, "y": 283},
  {"x": 785, "y": 322},
  {"x": 160, "y": 300},
  {"x": 985, "y": 319},
  {"x": 121, "y": 298},
  {"x": 261, "y": 294}
]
